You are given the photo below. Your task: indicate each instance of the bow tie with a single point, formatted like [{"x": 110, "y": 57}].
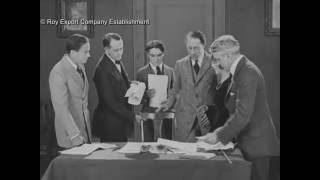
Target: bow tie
[{"x": 117, "y": 61}]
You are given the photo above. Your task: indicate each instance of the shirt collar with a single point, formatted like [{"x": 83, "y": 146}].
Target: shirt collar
[
  {"x": 200, "y": 59},
  {"x": 71, "y": 62},
  {"x": 234, "y": 65},
  {"x": 114, "y": 61},
  {"x": 154, "y": 68}
]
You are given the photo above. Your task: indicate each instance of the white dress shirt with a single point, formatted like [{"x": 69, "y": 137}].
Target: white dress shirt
[
  {"x": 154, "y": 68},
  {"x": 200, "y": 59}
]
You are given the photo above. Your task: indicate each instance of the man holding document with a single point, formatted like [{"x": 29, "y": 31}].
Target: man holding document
[
  {"x": 156, "y": 75},
  {"x": 113, "y": 117}
]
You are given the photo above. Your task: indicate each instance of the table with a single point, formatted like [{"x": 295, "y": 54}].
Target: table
[{"x": 108, "y": 164}]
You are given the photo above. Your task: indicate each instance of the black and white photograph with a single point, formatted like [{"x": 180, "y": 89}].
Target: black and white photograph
[{"x": 159, "y": 89}]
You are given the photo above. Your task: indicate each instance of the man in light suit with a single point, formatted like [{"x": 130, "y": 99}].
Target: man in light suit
[
  {"x": 155, "y": 52},
  {"x": 193, "y": 82},
  {"x": 113, "y": 117},
  {"x": 69, "y": 93},
  {"x": 250, "y": 121}
]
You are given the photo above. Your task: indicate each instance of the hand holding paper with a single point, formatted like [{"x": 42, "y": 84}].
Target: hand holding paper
[{"x": 135, "y": 92}]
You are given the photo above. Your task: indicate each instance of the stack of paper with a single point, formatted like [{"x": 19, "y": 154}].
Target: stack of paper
[
  {"x": 134, "y": 147},
  {"x": 198, "y": 155},
  {"x": 86, "y": 149},
  {"x": 159, "y": 83},
  {"x": 217, "y": 146},
  {"x": 135, "y": 93},
  {"x": 185, "y": 147}
]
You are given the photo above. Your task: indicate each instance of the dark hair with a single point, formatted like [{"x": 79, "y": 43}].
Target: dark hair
[
  {"x": 75, "y": 42},
  {"x": 197, "y": 35},
  {"x": 155, "y": 44},
  {"x": 108, "y": 37}
]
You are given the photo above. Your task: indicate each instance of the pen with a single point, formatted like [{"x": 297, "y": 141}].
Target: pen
[{"x": 226, "y": 156}]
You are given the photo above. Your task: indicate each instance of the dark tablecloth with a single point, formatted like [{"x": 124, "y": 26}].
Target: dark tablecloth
[{"x": 112, "y": 165}]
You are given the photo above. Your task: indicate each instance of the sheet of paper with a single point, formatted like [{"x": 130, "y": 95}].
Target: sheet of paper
[
  {"x": 198, "y": 155},
  {"x": 159, "y": 83},
  {"x": 185, "y": 147},
  {"x": 135, "y": 147},
  {"x": 135, "y": 93},
  {"x": 86, "y": 149},
  {"x": 217, "y": 146}
]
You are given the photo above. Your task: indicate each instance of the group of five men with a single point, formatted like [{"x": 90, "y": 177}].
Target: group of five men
[{"x": 220, "y": 94}]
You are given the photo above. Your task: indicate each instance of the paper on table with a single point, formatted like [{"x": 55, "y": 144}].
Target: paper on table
[
  {"x": 86, "y": 149},
  {"x": 134, "y": 147},
  {"x": 198, "y": 155},
  {"x": 185, "y": 147},
  {"x": 159, "y": 83},
  {"x": 135, "y": 93},
  {"x": 217, "y": 146}
]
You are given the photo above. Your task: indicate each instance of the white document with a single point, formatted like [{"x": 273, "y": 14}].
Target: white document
[
  {"x": 135, "y": 93},
  {"x": 134, "y": 147},
  {"x": 198, "y": 155},
  {"x": 217, "y": 146},
  {"x": 86, "y": 149},
  {"x": 159, "y": 83},
  {"x": 184, "y": 147}
]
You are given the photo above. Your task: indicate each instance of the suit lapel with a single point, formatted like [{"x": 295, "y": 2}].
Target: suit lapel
[
  {"x": 241, "y": 63},
  {"x": 150, "y": 70},
  {"x": 74, "y": 74},
  {"x": 124, "y": 75},
  {"x": 206, "y": 64},
  {"x": 112, "y": 68},
  {"x": 187, "y": 65}
]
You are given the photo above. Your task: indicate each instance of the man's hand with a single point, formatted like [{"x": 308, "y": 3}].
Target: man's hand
[
  {"x": 134, "y": 82},
  {"x": 163, "y": 106},
  {"x": 151, "y": 93},
  {"x": 78, "y": 141},
  {"x": 202, "y": 109},
  {"x": 138, "y": 118},
  {"x": 212, "y": 138},
  {"x": 202, "y": 138}
]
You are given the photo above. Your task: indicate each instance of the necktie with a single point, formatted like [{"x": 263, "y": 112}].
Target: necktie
[
  {"x": 158, "y": 70},
  {"x": 196, "y": 66},
  {"x": 79, "y": 70}
]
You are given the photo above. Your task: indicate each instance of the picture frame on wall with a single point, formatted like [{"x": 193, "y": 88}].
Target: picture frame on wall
[
  {"x": 72, "y": 15},
  {"x": 272, "y": 17}
]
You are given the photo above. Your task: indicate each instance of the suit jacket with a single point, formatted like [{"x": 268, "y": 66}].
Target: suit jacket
[
  {"x": 69, "y": 96},
  {"x": 113, "y": 113},
  {"x": 142, "y": 76},
  {"x": 189, "y": 92},
  {"x": 250, "y": 119}
]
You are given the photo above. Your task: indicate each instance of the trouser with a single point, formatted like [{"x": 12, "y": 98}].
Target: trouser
[
  {"x": 153, "y": 129},
  {"x": 265, "y": 168}
]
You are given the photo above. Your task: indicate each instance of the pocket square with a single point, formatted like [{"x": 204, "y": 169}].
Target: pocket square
[{"x": 232, "y": 93}]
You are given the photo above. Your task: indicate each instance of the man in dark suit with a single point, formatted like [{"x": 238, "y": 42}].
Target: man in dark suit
[
  {"x": 155, "y": 52},
  {"x": 113, "y": 116},
  {"x": 250, "y": 121}
]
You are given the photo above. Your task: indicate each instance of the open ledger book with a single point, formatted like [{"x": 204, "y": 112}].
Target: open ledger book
[{"x": 87, "y": 149}]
